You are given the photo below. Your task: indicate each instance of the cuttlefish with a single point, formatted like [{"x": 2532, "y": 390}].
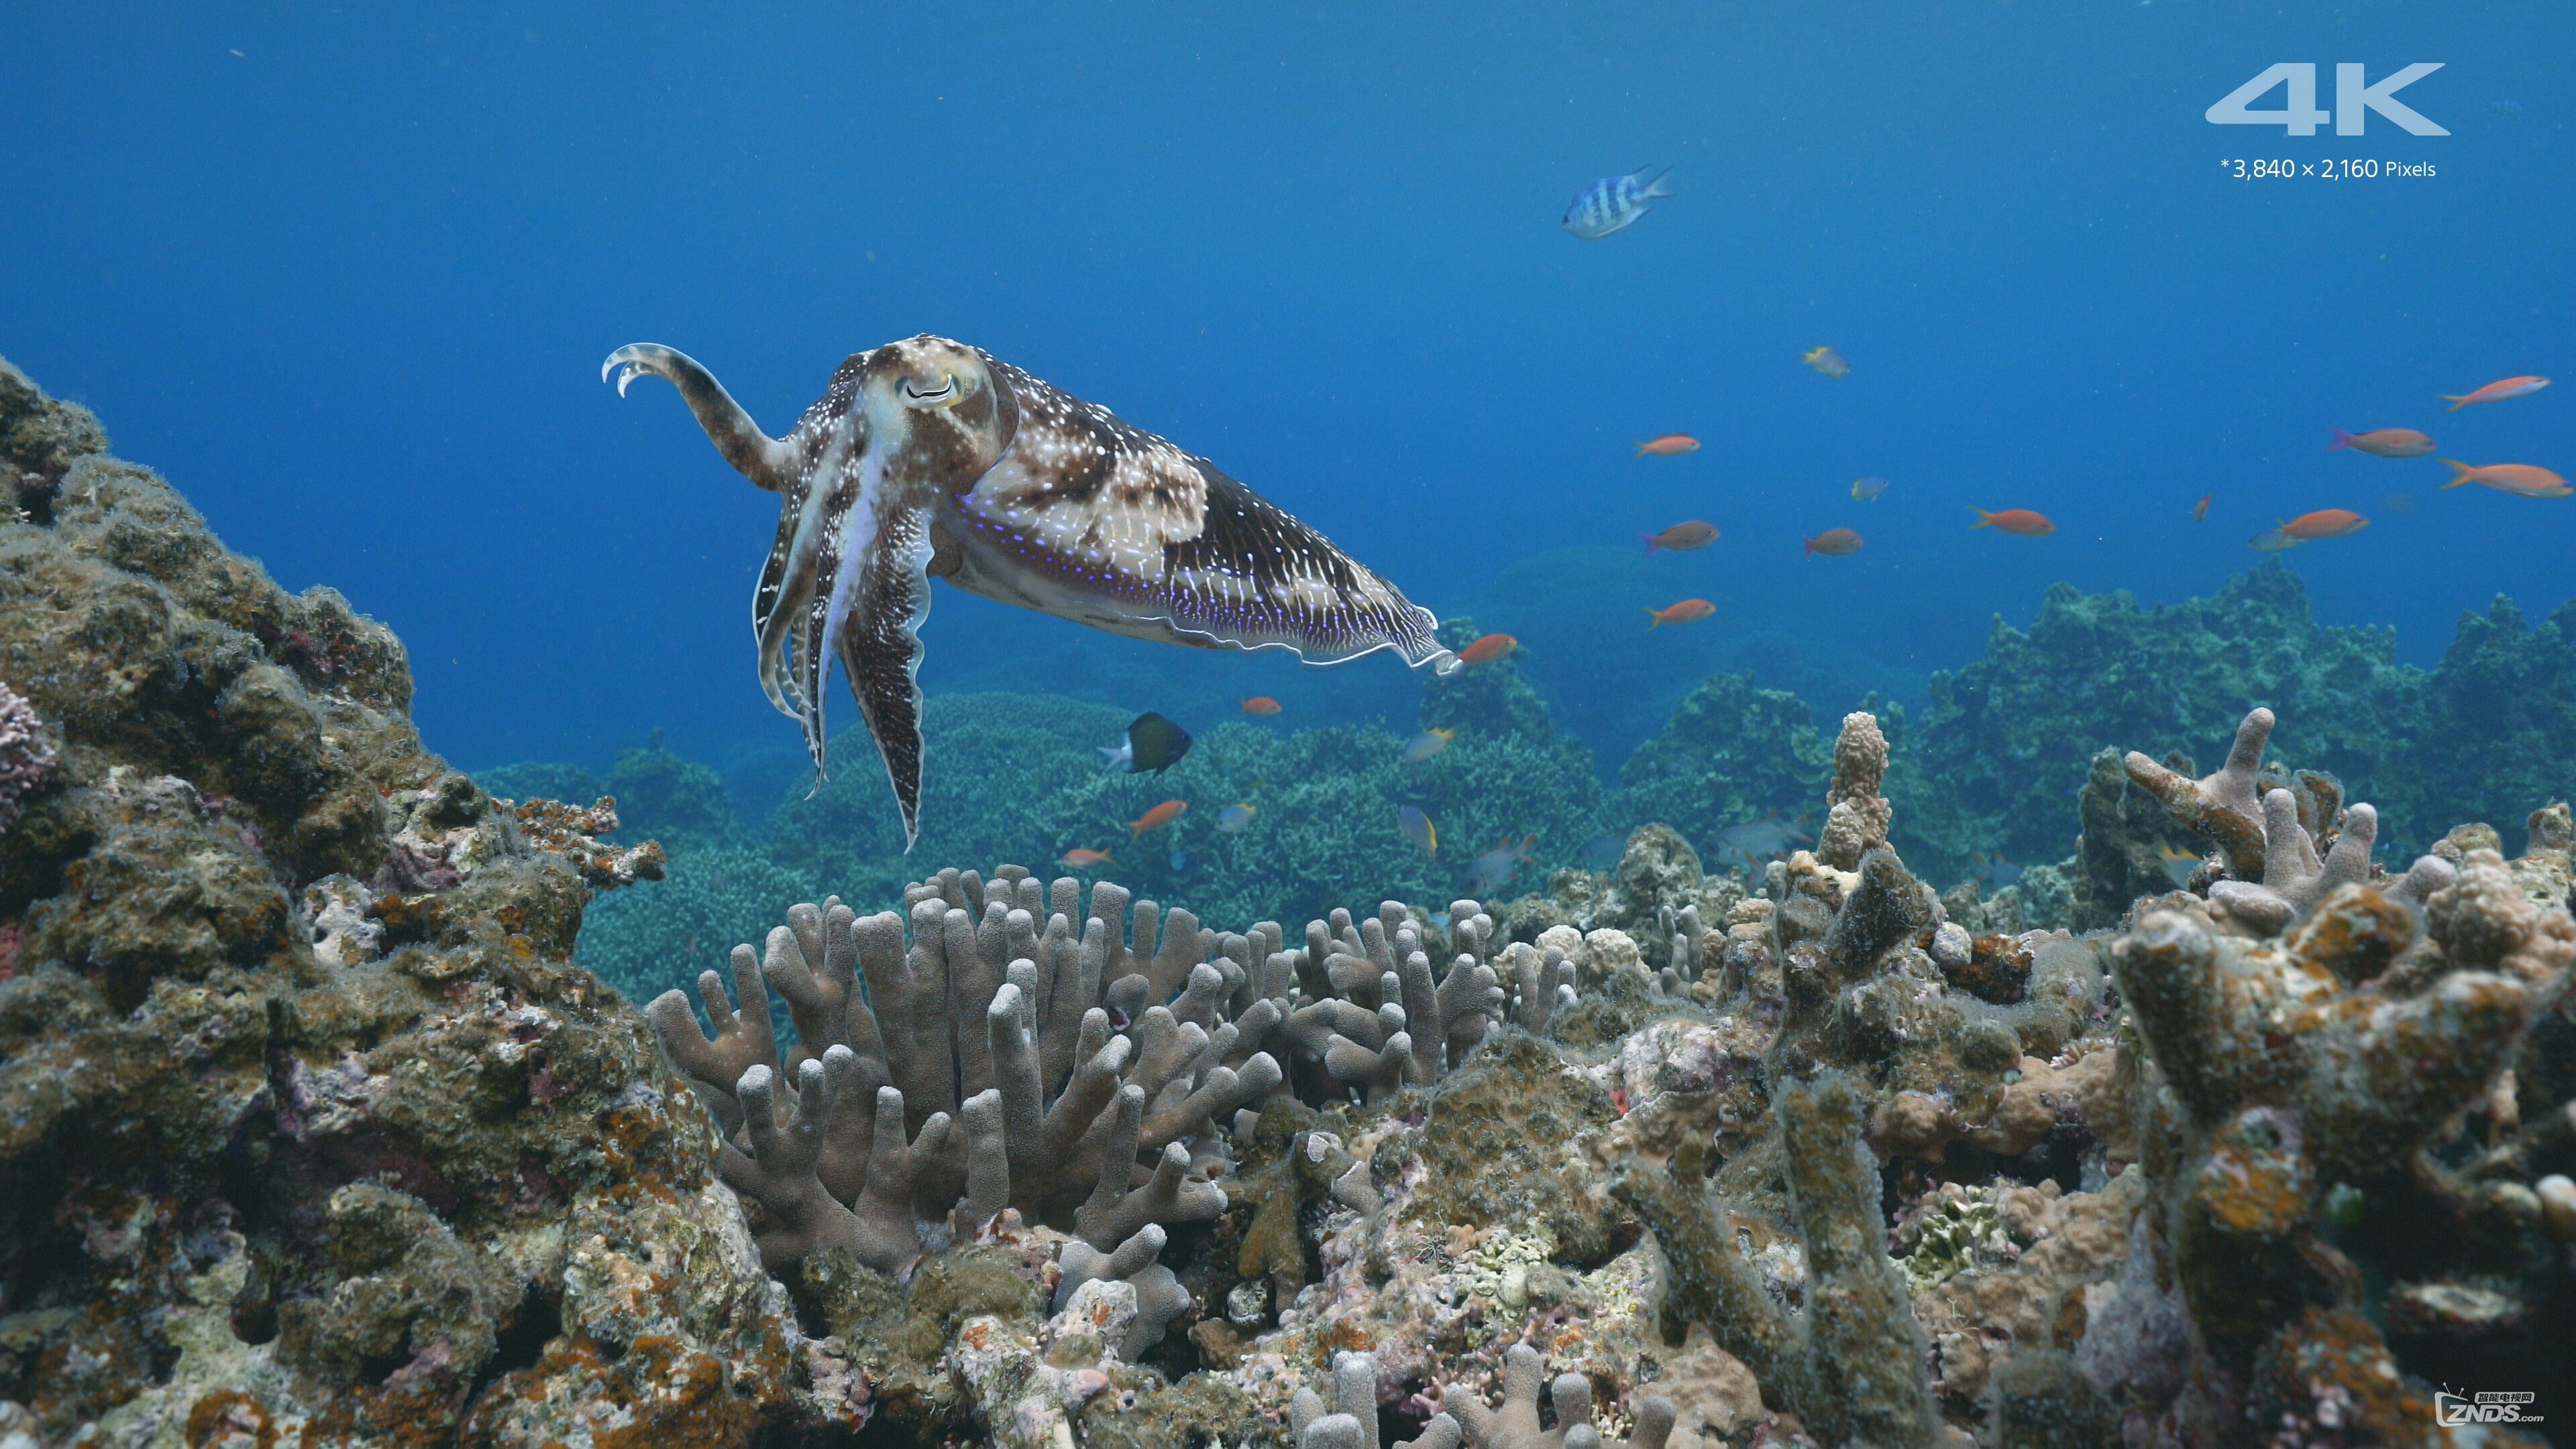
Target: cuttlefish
[{"x": 928, "y": 459}]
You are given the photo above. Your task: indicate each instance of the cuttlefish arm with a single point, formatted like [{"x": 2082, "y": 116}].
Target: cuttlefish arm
[
  {"x": 880, "y": 650},
  {"x": 754, "y": 454},
  {"x": 1091, "y": 519}
]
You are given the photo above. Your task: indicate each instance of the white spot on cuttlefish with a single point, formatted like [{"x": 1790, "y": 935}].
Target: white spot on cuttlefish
[{"x": 928, "y": 456}]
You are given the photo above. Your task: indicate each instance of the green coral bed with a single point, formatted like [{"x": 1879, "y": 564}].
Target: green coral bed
[
  {"x": 343, "y": 1102},
  {"x": 1993, "y": 771}
]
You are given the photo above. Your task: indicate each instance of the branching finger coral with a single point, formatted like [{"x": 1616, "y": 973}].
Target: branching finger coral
[
  {"x": 1350, "y": 1420},
  {"x": 1160, "y": 1298},
  {"x": 1515, "y": 1425},
  {"x": 907, "y": 1105},
  {"x": 1851, "y": 1364},
  {"x": 1380, "y": 1023},
  {"x": 2287, "y": 1069},
  {"x": 2225, "y": 806}
]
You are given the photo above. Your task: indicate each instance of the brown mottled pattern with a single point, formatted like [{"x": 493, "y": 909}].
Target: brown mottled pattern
[{"x": 1104, "y": 509}]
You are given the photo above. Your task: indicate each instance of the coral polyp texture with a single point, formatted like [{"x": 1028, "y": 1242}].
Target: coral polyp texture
[{"x": 312, "y": 1131}]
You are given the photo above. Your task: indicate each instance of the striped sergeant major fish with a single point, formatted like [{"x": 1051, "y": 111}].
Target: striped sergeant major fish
[{"x": 1613, "y": 203}]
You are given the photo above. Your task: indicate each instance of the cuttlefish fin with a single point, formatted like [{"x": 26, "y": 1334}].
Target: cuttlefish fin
[
  {"x": 754, "y": 454},
  {"x": 880, "y": 646}
]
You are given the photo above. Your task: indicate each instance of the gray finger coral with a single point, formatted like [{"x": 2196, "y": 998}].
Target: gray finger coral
[
  {"x": 1381, "y": 1022},
  {"x": 977, "y": 1069},
  {"x": 1514, "y": 1424},
  {"x": 1348, "y": 1420}
]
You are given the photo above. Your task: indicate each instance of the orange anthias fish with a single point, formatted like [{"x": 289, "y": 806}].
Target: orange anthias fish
[
  {"x": 2200, "y": 510},
  {"x": 1083, "y": 859},
  {"x": 1668, "y": 445},
  {"x": 1682, "y": 537},
  {"x": 2383, "y": 442},
  {"x": 1488, "y": 649},
  {"x": 2526, "y": 480},
  {"x": 2497, "y": 391},
  {"x": 1834, "y": 543},
  {"x": 2021, "y": 521},
  {"x": 1261, "y": 704},
  {"x": 1688, "y": 611},
  {"x": 1158, "y": 817},
  {"x": 2324, "y": 523}
]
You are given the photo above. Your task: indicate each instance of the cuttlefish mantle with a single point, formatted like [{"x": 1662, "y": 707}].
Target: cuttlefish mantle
[{"x": 927, "y": 459}]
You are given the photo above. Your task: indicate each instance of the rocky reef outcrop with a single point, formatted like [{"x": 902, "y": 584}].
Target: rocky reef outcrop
[{"x": 310, "y": 1132}]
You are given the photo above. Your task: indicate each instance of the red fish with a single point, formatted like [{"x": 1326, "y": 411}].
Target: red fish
[
  {"x": 1688, "y": 611},
  {"x": 2324, "y": 523},
  {"x": 1682, "y": 537},
  {"x": 2497, "y": 391},
  {"x": 1083, "y": 859},
  {"x": 1668, "y": 445},
  {"x": 1158, "y": 817},
  {"x": 1261, "y": 704},
  {"x": 2383, "y": 442},
  {"x": 2200, "y": 510},
  {"x": 2525, "y": 479},
  {"x": 1488, "y": 649},
  {"x": 1834, "y": 542},
  {"x": 2018, "y": 521}
]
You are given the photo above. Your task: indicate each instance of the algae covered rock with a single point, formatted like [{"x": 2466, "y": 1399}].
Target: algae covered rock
[
  {"x": 312, "y": 1132},
  {"x": 1498, "y": 1145}
]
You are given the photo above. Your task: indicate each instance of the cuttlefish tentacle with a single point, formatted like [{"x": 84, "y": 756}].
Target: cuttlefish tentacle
[{"x": 927, "y": 456}]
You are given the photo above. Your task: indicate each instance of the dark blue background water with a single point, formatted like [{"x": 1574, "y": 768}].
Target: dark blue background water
[{"x": 347, "y": 276}]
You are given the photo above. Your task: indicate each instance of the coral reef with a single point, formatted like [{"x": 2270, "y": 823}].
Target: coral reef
[
  {"x": 678, "y": 802},
  {"x": 309, "y": 1130}
]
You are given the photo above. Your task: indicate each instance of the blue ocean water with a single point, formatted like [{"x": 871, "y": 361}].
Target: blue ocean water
[{"x": 346, "y": 275}]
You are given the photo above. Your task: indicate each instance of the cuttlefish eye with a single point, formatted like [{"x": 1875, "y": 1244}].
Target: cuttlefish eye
[{"x": 942, "y": 391}]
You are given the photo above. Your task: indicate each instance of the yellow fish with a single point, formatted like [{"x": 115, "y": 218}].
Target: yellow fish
[{"x": 2178, "y": 864}]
